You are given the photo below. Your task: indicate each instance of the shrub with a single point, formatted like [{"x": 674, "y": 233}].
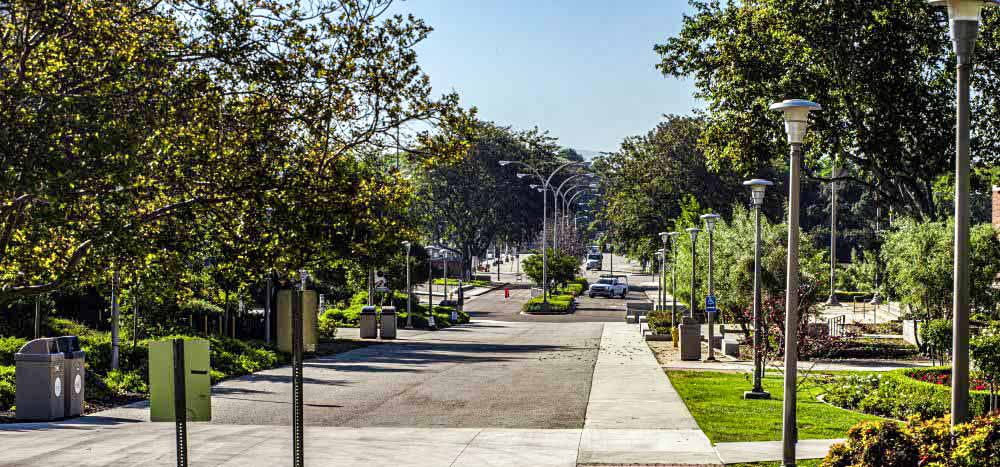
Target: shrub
[
  {"x": 900, "y": 394},
  {"x": 985, "y": 350},
  {"x": 936, "y": 336},
  {"x": 126, "y": 382},
  {"x": 8, "y": 347},
  {"x": 327, "y": 328},
  {"x": 660, "y": 321},
  {"x": 918, "y": 442},
  {"x": 557, "y": 304},
  {"x": 6, "y": 387}
]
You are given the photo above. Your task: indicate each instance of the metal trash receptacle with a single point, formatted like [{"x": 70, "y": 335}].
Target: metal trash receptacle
[
  {"x": 74, "y": 375},
  {"x": 369, "y": 323},
  {"x": 387, "y": 323},
  {"x": 690, "y": 339},
  {"x": 39, "y": 378}
]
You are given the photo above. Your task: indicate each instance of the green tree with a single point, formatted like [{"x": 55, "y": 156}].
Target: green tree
[
  {"x": 879, "y": 68},
  {"x": 562, "y": 267}
]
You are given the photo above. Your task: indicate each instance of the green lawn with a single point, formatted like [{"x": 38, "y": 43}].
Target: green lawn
[{"x": 716, "y": 401}]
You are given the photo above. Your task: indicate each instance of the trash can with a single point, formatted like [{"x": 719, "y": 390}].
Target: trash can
[
  {"x": 369, "y": 323},
  {"x": 388, "y": 322},
  {"x": 690, "y": 339},
  {"x": 39, "y": 378},
  {"x": 197, "y": 381},
  {"x": 74, "y": 376}
]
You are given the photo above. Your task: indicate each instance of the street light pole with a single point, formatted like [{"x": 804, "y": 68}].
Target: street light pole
[
  {"x": 832, "y": 301},
  {"x": 710, "y": 220},
  {"x": 964, "y": 16},
  {"x": 796, "y": 115},
  {"x": 673, "y": 280},
  {"x": 664, "y": 236},
  {"x": 409, "y": 288},
  {"x": 693, "y": 305},
  {"x": 757, "y": 189}
]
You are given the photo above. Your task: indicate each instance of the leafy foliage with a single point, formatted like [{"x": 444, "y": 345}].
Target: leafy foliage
[{"x": 562, "y": 267}]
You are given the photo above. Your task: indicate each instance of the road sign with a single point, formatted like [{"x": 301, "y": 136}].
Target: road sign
[{"x": 710, "y": 304}]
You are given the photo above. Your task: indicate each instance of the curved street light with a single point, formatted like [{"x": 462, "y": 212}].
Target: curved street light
[{"x": 546, "y": 183}]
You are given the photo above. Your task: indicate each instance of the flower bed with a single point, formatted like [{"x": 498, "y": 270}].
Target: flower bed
[
  {"x": 942, "y": 376},
  {"x": 557, "y": 304},
  {"x": 900, "y": 394}
]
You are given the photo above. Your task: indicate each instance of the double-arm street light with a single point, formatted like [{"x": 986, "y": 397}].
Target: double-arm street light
[
  {"x": 555, "y": 205},
  {"x": 710, "y": 220},
  {"x": 964, "y": 16},
  {"x": 796, "y": 115},
  {"x": 757, "y": 190},
  {"x": 544, "y": 188}
]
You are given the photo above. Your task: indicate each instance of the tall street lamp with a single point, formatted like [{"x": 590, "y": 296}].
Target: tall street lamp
[
  {"x": 964, "y": 18},
  {"x": 664, "y": 236},
  {"x": 547, "y": 182},
  {"x": 710, "y": 220},
  {"x": 555, "y": 205},
  {"x": 673, "y": 281},
  {"x": 757, "y": 189},
  {"x": 409, "y": 289},
  {"x": 693, "y": 231},
  {"x": 796, "y": 115},
  {"x": 832, "y": 301}
]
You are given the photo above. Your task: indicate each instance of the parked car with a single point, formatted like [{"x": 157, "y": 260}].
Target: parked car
[
  {"x": 594, "y": 261},
  {"x": 609, "y": 286}
]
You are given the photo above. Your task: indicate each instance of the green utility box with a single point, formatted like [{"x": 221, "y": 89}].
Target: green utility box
[
  {"x": 197, "y": 381},
  {"x": 310, "y": 310}
]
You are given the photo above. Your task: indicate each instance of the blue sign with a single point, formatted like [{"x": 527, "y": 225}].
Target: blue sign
[{"x": 710, "y": 304}]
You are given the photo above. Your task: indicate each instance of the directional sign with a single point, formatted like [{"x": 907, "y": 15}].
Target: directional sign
[{"x": 710, "y": 304}]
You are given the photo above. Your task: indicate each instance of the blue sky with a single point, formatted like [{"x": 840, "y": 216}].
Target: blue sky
[{"x": 582, "y": 69}]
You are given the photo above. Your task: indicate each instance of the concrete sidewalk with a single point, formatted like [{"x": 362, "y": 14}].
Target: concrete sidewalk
[{"x": 634, "y": 415}]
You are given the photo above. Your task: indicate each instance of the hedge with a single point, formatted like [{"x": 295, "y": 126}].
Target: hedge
[
  {"x": 557, "y": 304},
  {"x": 898, "y": 395},
  {"x": 918, "y": 442}
]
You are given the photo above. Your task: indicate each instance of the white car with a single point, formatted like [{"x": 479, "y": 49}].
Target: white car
[
  {"x": 609, "y": 286},
  {"x": 594, "y": 261}
]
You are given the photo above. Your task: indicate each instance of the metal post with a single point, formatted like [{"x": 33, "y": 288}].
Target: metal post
[
  {"x": 298, "y": 449},
  {"x": 267, "y": 311},
  {"x": 545, "y": 258},
  {"x": 409, "y": 290},
  {"x": 832, "y": 301},
  {"x": 789, "y": 433},
  {"x": 758, "y": 364},
  {"x": 673, "y": 286},
  {"x": 430, "y": 290},
  {"x": 694, "y": 270},
  {"x": 964, "y": 34},
  {"x": 38, "y": 318},
  {"x": 711, "y": 293},
  {"x": 114, "y": 320},
  {"x": 180, "y": 404}
]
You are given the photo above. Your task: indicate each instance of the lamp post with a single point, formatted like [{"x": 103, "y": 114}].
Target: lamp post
[
  {"x": 664, "y": 236},
  {"x": 673, "y": 280},
  {"x": 430, "y": 287},
  {"x": 555, "y": 206},
  {"x": 832, "y": 301},
  {"x": 660, "y": 255},
  {"x": 963, "y": 18},
  {"x": 710, "y": 220},
  {"x": 757, "y": 189},
  {"x": 544, "y": 189},
  {"x": 409, "y": 289},
  {"x": 693, "y": 231},
  {"x": 796, "y": 115}
]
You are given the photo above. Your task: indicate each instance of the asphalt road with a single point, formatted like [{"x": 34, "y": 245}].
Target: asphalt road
[{"x": 503, "y": 370}]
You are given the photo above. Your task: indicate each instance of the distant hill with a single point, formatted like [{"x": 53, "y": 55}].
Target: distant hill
[{"x": 588, "y": 154}]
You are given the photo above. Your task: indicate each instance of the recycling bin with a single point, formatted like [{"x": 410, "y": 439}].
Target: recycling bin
[
  {"x": 74, "y": 375},
  {"x": 197, "y": 381},
  {"x": 690, "y": 339},
  {"x": 310, "y": 311},
  {"x": 369, "y": 323},
  {"x": 39, "y": 373},
  {"x": 387, "y": 323}
]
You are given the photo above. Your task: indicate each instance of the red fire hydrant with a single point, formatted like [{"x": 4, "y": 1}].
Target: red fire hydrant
[{"x": 506, "y": 293}]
